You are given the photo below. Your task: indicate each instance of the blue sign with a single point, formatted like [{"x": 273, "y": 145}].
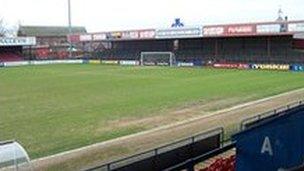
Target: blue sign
[
  {"x": 297, "y": 67},
  {"x": 177, "y": 23},
  {"x": 274, "y": 145}
]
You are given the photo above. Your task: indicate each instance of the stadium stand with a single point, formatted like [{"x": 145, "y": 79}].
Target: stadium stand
[
  {"x": 10, "y": 54},
  {"x": 279, "y": 42},
  {"x": 50, "y": 39},
  {"x": 222, "y": 164}
]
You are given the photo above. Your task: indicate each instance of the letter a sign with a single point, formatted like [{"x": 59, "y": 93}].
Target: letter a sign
[{"x": 266, "y": 147}]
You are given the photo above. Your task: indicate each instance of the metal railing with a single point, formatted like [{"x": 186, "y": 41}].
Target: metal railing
[{"x": 270, "y": 114}]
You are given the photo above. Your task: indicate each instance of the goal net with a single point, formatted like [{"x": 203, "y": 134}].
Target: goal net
[{"x": 157, "y": 58}]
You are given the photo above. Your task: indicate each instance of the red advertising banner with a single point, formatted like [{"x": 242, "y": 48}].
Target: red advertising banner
[
  {"x": 240, "y": 29},
  {"x": 74, "y": 38},
  {"x": 231, "y": 65},
  {"x": 147, "y": 34},
  {"x": 130, "y": 35},
  {"x": 213, "y": 31},
  {"x": 230, "y": 30}
]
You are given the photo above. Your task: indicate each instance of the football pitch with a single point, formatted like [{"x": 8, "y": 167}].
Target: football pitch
[{"x": 54, "y": 108}]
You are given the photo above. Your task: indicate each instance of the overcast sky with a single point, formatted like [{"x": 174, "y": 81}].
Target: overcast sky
[{"x": 105, "y": 15}]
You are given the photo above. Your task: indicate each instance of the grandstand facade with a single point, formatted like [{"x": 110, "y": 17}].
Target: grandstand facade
[
  {"x": 280, "y": 42},
  {"x": 52, "y": 41},
  {"x": 12, "y": 49}
]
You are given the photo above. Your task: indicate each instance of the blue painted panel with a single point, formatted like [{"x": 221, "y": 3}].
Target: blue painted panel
[
  {"x": 286, "y": 149},
  {"x": 297, "y": 68}
]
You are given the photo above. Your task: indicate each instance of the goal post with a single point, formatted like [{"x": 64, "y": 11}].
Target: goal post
[{"x": 157, "y": 58}]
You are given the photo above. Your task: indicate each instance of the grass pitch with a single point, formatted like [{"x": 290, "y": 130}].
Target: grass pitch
[{"x": 50, "y": 109}]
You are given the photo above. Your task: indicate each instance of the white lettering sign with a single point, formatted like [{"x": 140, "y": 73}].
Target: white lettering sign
[{"x": 266, "y": 148}]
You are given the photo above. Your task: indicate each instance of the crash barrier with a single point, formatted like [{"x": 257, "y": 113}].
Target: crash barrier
[
  {"x": 170, "y": 155},
  {"x": 252, "y": 121},
  {"x": 272, "y": 141},
  {"x": 187, "y": 153}
]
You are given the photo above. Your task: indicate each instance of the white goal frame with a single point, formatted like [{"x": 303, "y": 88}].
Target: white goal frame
[{"x": 170, "y": 55}]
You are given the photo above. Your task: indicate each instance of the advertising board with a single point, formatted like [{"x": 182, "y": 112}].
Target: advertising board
[
  {"x": 297, "y": 68},
  {"x": 282, "y": 67},
  {"x": 213, "y": 31},
  {"x": 185, "y": 64},
  {"x": 229, "y": 30},
  {"x": 114, "y": 35},
  {"x": 128, "y": 62},
  {"x": 240, "y": 29},
  {"x": 17, "y": 41},
  {"x": 296, "y": 27},
  {"x": 268, "y": 28},
  {"x": 111, "y": 62},
  {"x": 19, "y": 63},
  {"x": 74, "y": 38},
  {"x": 162, "y": 64},
  {"x": 130, "y": 35},
  {"x": 147, "y": 34},
  {"x": 179, "y": 32},
  {"x": 85, "y": 37},
  {"x": 99, "y": 36},
  {"x": 231, "y": 65},
  {"x": 94, "y": 61}
]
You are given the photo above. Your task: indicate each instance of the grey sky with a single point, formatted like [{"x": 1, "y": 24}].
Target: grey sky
[{"x": 104, "y": 15}]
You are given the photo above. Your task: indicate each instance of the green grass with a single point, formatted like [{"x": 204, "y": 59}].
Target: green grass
[{"x": 50, "y": 109}]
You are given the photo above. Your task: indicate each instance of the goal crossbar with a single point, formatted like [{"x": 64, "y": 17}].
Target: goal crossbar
[{"x": 152, "y": 54}]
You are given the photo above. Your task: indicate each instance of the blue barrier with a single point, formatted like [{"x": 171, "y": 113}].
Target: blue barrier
[
  {"x": 185, "y": 64},
  {"x": 297, "y": 68},
  {"x": 85, "y": 61},
  {"x": 198, "y": 62},
  {"x": 272, "y": 143}
]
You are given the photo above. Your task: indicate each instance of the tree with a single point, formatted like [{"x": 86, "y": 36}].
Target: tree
[
  {"x": 8, "y": 30},
  {"x": 3, "y": 29}
]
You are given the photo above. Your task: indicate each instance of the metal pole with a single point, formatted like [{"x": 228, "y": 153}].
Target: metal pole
[{"x": 70, "y": 27}]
